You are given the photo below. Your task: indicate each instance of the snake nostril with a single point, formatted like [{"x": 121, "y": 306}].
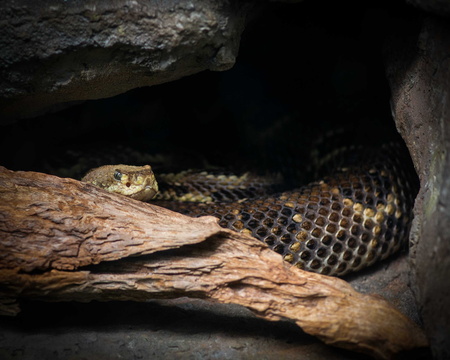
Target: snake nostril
[{"x": 128, "y": 184}]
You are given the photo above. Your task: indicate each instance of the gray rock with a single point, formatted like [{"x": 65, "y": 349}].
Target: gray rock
[
  {"x": 438, "y": 7},
  {"x": 55, "y": 52},
  {"x": 419, "y": 77}
]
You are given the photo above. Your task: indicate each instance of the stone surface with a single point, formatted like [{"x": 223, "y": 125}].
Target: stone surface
[
  {"x": 183, "y": 328},
  {"x": 419, "y": 75},
  {"x": 438, "y": 7},
  {"x": 55, "y": 52}
]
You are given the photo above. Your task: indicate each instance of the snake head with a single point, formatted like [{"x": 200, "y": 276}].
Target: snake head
[{"x": 137, "y": 182}]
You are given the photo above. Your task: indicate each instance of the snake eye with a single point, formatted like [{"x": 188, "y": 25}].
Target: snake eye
[{"x": 117, "y": 175}]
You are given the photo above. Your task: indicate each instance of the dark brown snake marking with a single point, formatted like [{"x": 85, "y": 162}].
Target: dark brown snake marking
[{"x": 358, "y": 215}]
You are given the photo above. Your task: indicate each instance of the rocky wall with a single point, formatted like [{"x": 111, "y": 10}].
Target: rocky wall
[
  {"x": 55, "y": 52},
  {"x": 419, "y": 75}
]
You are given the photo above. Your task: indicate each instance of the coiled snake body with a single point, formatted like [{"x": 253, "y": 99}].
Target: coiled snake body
[{"x": 358, "y": 214}]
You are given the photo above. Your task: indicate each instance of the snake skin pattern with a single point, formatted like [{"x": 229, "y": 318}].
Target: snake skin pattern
[{"x": 357, "y": 215}]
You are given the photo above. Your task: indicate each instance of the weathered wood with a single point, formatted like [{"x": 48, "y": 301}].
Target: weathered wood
[{"x": 65, "y": 240}]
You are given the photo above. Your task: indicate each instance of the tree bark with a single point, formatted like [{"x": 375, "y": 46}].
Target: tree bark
[{"x": 65, "y": 240}]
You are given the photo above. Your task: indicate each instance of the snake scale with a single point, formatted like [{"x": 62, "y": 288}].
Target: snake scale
[{"x": 356, "y": 215}]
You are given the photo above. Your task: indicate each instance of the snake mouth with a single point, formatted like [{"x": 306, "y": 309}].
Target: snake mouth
[
  {"x": 151, "y": 191},
  {"x": 146, "y": 194}
]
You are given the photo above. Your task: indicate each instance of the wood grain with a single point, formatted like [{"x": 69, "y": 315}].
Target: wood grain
[{"x": 65, "y": 240}]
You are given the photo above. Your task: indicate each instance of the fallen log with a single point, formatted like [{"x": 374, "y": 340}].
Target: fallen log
[{"x": 65, "y": 240}]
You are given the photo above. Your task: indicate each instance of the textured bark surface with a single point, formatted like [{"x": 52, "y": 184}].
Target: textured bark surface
[
  {"x": 104, "y": 48},
  {"x": 65, "y": 240},
  {"x": 419, "y": 76}
]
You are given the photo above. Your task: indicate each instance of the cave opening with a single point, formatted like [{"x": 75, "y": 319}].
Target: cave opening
[{"x": 309, "y": 73}]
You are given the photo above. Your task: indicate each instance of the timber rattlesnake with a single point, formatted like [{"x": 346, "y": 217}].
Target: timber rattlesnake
[{"x": 358, "y": 214}]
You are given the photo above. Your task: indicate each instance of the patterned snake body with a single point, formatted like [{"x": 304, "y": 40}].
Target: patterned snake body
[{"x": 357, "y": 215}]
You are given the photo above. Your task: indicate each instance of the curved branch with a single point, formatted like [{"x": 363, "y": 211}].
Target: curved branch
[{"x": 65, "y": 240}]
